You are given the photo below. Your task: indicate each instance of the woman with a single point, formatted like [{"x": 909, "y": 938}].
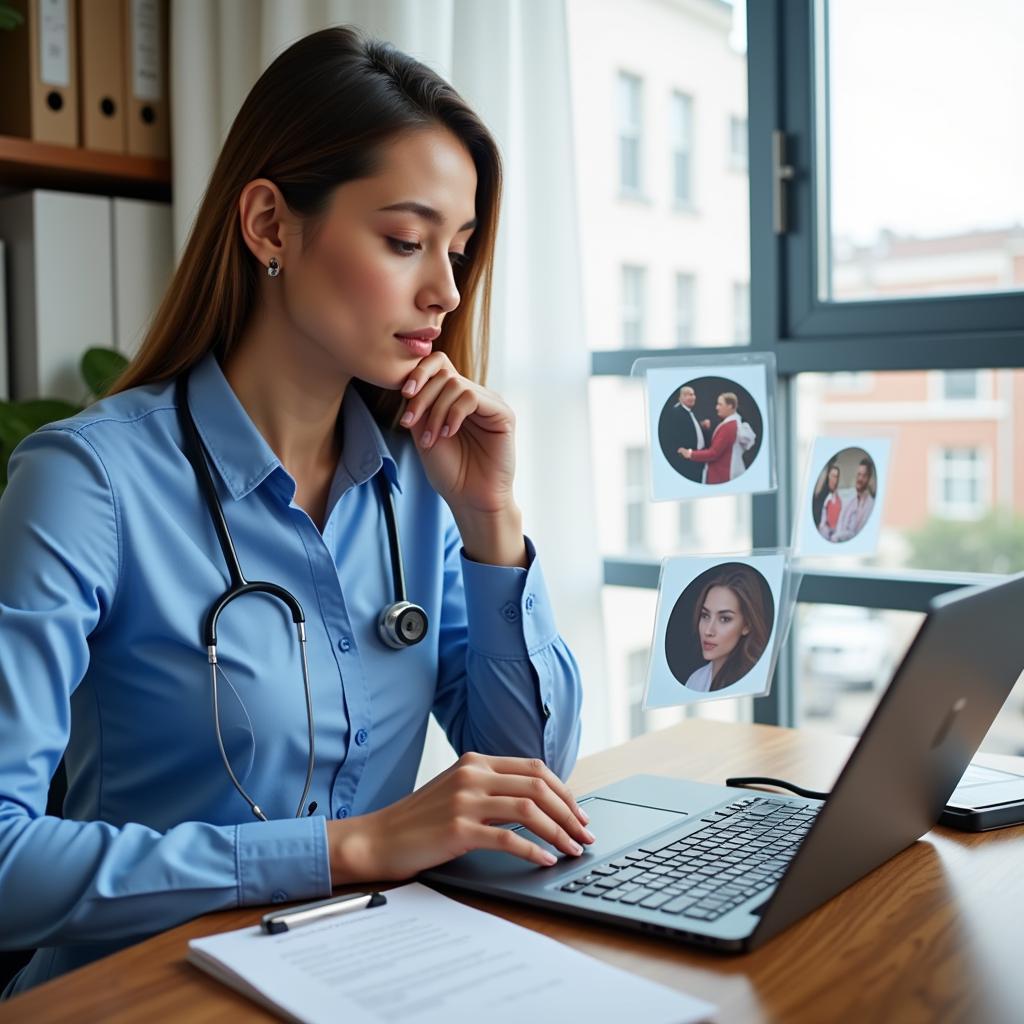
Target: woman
[
  {"x": 320, "y": 326},
  {"x": 732, "y": 628},
  {"x": 829, "y": 504},
  {"x": 723, "y": 458}
]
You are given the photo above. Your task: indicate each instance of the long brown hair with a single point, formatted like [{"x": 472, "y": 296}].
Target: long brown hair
[
  {"x": 318, "y": 117},
  {"x": 746, "y": 584}
]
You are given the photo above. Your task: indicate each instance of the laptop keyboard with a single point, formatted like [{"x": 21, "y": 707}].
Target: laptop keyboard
[{"x": 742, "y": 849}]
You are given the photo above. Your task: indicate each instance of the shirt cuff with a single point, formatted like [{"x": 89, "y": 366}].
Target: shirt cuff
[
  {"x": 508, "y": 610},
  {"x": 283, "y": 860}
]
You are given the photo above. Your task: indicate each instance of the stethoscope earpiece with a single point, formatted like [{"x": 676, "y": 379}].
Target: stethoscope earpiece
[{"x": 402, "y": 624}]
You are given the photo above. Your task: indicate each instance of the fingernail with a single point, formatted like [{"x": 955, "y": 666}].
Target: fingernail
[
  {"x": 427, "y": 438},
  {"x": 548, "y": 858},
  {"x": 445, "y": 431},
  {"x": 588, "y": 835},
  {"x": 409, "y": 388},
  {"x": 576, "y": 848},
  {"x": 407, "y": 419}
]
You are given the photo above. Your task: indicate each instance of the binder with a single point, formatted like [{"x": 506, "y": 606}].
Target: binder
[
  {"x": 143, "y": 245},
  {"x": 59, "y": 288},
  {"x": 101, "y": 74},
  {"x": 39, "y": 75},
  {"x": 146, "y": 31}
]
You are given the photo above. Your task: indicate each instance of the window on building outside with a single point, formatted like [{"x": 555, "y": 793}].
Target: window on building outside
[
  {"x": 960, "y": 484},
  {"x": 738, "y": 143},
  {"x": 741, "y": 313},
  {"x": 631, "y": 93},
  {"x": 636, "y": 499},
  {"x": 682, "y": 149},
  {"x": 636, "y": 675},
  {"x": 686, "y": 299},
  {"x": 634, "y": 301},
  {"x": 961, "y": 385}
]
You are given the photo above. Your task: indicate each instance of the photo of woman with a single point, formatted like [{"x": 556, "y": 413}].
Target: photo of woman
[
  {"x": 826, "y": 503},
  {"x": 840, "y": 513},
  {"x": 719, "y": 628},
  {"x": 710, "y": 430}
]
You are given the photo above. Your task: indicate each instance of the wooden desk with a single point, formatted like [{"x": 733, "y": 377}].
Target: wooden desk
[{"x": 932, "y": 935}]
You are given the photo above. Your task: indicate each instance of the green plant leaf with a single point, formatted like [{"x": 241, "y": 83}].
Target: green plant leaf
[
  {"x": 10, "y": 18},
  {"x": 100, "y": 368}
]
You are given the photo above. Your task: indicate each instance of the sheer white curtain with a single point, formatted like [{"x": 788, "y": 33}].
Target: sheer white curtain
[{"x": 509, "y": 59}]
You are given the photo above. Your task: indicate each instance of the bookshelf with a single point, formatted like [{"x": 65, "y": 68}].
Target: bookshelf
[{"x": 28, "y": 164}]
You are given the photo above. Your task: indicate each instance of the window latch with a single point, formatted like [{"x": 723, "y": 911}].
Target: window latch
[{"x": 781, "y": 173}]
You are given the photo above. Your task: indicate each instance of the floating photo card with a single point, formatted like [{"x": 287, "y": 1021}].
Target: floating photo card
[
  {"x": 840, "y": 512},
  {"x": 717, "y": 628},
  {"x": 710, "y": 425}
]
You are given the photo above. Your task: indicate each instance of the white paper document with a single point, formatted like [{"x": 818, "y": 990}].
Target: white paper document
[{"x": 426, "y": 959}]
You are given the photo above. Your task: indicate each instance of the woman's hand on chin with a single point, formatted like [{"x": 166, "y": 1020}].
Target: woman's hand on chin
[{"x": 465, "y": 435}]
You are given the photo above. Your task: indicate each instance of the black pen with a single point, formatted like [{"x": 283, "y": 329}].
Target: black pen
[{"x": 284, "y": 920}]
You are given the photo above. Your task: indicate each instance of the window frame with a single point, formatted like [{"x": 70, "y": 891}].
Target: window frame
[
  {"x": 631, "y": 132},
  {"x": 955, "y": 332},
  {"x": 682, "y": 145}
]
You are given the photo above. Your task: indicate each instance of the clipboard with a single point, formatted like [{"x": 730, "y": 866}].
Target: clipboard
[{"x": 990, "y": 795}]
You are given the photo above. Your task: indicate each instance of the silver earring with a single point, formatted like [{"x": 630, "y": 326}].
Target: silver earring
[{"x": 273, "y": 268}]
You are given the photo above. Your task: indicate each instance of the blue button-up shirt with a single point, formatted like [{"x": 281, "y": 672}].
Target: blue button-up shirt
[{"x": 108, "y": 564}]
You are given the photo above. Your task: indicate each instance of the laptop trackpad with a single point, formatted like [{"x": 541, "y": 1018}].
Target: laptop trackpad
[{"x": 617, "y": 825}]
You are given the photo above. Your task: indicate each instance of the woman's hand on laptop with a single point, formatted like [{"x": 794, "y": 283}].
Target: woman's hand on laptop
[{"x": 457, "y": 812}]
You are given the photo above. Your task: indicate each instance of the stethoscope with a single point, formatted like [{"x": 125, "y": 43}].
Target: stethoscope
[{"x": 401, "y": 624}]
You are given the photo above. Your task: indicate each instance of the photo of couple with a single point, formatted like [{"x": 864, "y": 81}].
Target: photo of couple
[
  {"x": 844, "y": 495},
  {"x": 719, "y": 628},
  {"x": 710, "y": 430}
]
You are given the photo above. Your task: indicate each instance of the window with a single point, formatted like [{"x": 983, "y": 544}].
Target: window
[
  {"x": 741, "y": 313},
  {"x": 961, "y": 385},
  {"x": 959, "y": 488},
  {"x": 686, "y": 291},
  {"x": 634, "y": 282},
  {"x": 687, "y": 523},
  {"x": 682, "y": 149},
  {"x": 636, "y": 499},
  {"x": 738, "y": 143},
  {"x": 636, "y": 673},
  {"x": 692, "y": 50},
  {"x": 631, "y": 93}
]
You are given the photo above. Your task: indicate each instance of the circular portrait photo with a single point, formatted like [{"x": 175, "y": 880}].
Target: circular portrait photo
[
  {"x": 719, "y": 627},
  {"x": 844, "y": 495},
  {"x": 710, "y": 430}
]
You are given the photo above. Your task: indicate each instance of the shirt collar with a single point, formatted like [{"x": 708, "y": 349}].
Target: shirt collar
[{"x": 240, "y": 453}]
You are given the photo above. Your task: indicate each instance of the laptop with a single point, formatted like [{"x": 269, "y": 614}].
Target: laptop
[{"x": 728, "y": 869}]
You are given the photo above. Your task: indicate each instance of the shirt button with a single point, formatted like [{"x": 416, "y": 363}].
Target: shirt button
[
  {"x": 278, "y": 896},
  {"x": 343, "y": 812},
  {"x": 344, "y": 644},
  {"x": 509, "y": 612},
  {"x": 529, "y": 603},
  {"x": 547, "y": 710},
  {"x": 361, "y": 736}
]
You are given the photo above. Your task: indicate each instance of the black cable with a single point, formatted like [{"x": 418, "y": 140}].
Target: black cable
[{"x": 744, "y": 782}]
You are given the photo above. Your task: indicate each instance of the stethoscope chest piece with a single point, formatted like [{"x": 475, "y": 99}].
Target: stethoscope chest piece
[{"x": 402, "y": 624}]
